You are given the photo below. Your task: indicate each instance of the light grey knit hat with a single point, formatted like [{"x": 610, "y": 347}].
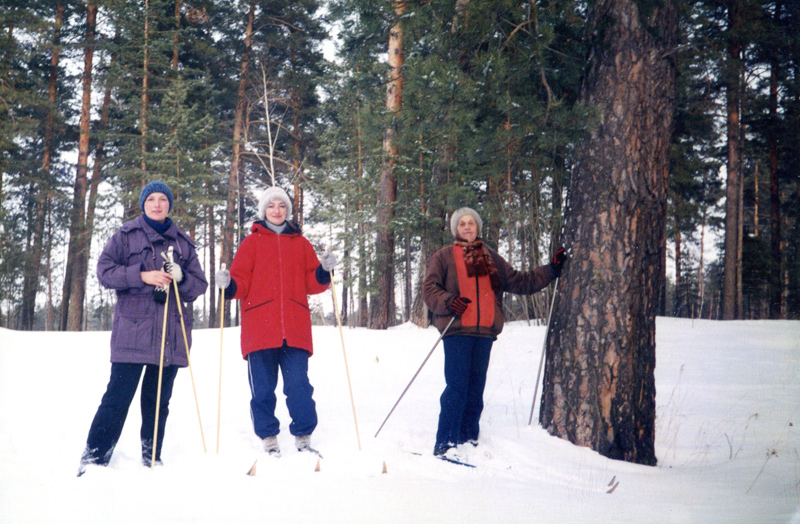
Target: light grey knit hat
[
  {"x": 270, "y": 194},
  {"x": 458, "y": 213}
]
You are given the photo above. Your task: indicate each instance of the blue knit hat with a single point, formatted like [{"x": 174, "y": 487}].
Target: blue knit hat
[{"x": 155, "y": 186}]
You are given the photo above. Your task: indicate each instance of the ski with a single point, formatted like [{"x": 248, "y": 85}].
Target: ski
[
  {"x": 311, "y": 450},
  {"x": 456, "y": 461},
  {"x": 448, "y": 459}
]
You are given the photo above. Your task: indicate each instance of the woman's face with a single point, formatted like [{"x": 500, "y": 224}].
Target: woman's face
[
  {"x": 156, "y": 207},
  {"x": 276, "y": 212},
  {"x": 467, "y": 228}
]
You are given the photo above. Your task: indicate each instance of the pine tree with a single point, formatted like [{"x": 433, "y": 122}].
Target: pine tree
[{"x": 599, "y": 386}]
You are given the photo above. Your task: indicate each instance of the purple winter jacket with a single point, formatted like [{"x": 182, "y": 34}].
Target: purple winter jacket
[{"x": 138, "y": 319}]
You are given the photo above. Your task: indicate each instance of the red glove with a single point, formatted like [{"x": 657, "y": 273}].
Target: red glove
[{"x": 459, "y": 305}]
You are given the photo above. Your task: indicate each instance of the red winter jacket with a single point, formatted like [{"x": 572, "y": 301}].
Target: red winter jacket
[{"x": 274, "y": 275}]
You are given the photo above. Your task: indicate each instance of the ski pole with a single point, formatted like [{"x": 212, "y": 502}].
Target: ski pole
[
  {"x": 189, "y": 360},
  {"x": 221, "y": 329},
  {"x": 544, "y": 345},
  {"x": 160, "y": 375},
  {"x": 415, "y": 375},
  {"x": 347, "y": 369}
]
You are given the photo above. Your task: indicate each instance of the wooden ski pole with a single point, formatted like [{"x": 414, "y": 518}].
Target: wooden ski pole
[
  {"x": 221, "y": 330},
  {"x": 347, "y": 369},
  {"x": 189, "y": 360},
  {"x": 541, "y": 360},
  {"x": 415, "y": 375},
  {"x": 160, "y": 375}
]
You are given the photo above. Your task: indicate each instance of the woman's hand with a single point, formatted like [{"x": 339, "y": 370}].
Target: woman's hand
[{"x": 156, "y": 278}]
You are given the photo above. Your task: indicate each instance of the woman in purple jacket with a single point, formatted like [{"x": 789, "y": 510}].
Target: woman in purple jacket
[{"x": 140, "y": 262}]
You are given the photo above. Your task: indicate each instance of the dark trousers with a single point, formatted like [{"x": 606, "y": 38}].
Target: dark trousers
[
  {"x": 466, "y": 361},
  {"x": 107, "y": 425},
  {"x": 263, "y": 368}
]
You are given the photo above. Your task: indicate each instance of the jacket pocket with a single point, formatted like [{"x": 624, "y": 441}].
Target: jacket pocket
[
  {"x": 304, "y": 306},
  {"x": 140, "y": 254},
  {"x": 250, "y": 308},
  {"x": 133, "y": 332}
]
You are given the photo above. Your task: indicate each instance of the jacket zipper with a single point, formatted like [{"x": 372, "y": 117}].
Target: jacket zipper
[
  {"x": 478, "y": 303},
  {"x": 280, "y": 286}
]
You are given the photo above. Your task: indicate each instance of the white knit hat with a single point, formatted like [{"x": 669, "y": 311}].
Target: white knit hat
[
  {"x": 270, "y": 194},
  {"x": 458, "y": 213}
]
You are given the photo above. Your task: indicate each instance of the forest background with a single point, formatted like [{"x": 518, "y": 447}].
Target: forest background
[{"x": 427, "y": 106}]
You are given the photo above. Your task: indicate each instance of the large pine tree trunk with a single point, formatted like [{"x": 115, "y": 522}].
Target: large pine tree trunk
[
  {"x": 383, "y": 304},
  {"x": 73, "y": 306},
  {"x": 599, "y": 386},
  {"x": 731, "y": 291}
]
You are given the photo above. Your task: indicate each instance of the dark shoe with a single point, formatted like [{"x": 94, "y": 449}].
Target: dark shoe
[
  {"x": 148, "y": 461},
  {"x": 88, "y": 458},
  {"x": 442, "y": 449},
  {"x": 147, "y": 454}
]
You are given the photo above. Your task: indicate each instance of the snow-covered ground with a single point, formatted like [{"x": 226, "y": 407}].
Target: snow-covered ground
[{"x": 727, "y": 441}]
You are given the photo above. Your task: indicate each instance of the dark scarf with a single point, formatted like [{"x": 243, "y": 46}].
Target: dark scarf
[
  {"x": 159, "y": 227},
  {"x": 479, "y": 262},
  {"x": 287, "y": 228}
]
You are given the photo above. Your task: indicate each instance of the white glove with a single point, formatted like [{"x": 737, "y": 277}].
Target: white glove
[
  {"x": 170, "y": 267},
  {"x": 223, "y": 278},
  {"x": 328, "y": 261}
]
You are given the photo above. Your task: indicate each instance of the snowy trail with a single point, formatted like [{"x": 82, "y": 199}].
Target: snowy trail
[{"x": 728, "y": 410}]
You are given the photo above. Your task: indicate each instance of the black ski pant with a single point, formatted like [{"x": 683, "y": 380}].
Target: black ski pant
[{"x": 107, "y": 425}]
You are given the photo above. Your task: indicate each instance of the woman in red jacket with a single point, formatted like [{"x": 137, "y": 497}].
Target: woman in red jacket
[
  {"x": 467, "y": 281},
  {"x": 273, "y": 272}
]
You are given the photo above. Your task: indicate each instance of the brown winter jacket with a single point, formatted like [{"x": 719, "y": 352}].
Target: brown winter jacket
[{"x": 446, "y": 279}]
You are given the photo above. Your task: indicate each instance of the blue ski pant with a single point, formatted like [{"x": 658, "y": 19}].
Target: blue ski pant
[
  {"x": 263, "y": 369},
  {"x": 466, "y": 361},
  {"x": 107, "y": 424}
]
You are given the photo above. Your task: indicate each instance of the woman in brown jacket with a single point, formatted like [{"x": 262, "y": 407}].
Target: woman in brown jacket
[{"x": 467, "y": 281}]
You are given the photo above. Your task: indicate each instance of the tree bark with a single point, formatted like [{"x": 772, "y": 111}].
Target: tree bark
[
  {"x": 679, "y": 299},
  {"x": 145, "y": 88},
  {"x": 212, "y": 263},
  {"x": 229, "y": 228},
  {"x": 731, "y": 291},
  {"x": 599, "y": 385},
  {"x": 775, "y": 281},
  {"x": 72, "y": 307},
  {"x": 383, "y": 304},
  {"x": 33, "y": 262},
  {"x": 363, "y": 302}
]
